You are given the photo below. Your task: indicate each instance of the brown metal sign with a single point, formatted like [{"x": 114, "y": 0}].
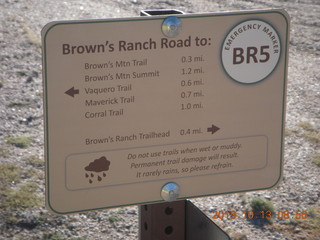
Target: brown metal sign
[{"x": 132, "y": 104}]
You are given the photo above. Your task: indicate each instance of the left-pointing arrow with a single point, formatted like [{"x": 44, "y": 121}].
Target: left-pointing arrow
[{"x": 71, "y": 92}]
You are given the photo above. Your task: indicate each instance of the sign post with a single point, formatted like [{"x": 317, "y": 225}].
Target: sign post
[
  {"x": 134, "y": 104},
  {"x": 179, "y": 220}
]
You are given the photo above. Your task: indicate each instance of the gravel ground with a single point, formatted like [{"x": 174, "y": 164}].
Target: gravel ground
[{"x": 21, "y": 114}]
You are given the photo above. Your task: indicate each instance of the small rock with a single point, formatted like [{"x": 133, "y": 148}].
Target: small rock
[
  {"x": 34, "y": 74},
  {"x": 136, "y": 2},
  {"x": 297, "y": 230},
  {"x": 30, "y": 118},
  {"x": 268, "y": 198},
  {"x": 127, "y": 226},
  {"x": 29, "y": 79},
  {"x": 132, "y": 212},
  {"x": 23, "y": 121}
]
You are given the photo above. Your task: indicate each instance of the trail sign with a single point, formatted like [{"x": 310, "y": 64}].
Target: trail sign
[{"x": 132, "y": 104}]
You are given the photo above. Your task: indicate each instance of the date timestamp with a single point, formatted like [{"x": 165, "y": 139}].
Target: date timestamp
[{"x": 281, "y": 214}]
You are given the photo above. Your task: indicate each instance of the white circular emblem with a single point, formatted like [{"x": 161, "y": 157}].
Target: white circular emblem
[{"x": 251, "y": 51}]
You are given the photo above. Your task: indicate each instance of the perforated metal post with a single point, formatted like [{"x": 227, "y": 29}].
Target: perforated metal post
[
  {"x": 180, "y": 220},
  {"x": 163, "y": 221}
]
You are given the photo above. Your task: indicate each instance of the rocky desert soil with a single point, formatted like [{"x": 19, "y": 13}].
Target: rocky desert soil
[{"x": 22, "y": 211}]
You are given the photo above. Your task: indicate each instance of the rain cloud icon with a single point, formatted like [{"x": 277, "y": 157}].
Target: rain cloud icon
[{"x": 98, "y": 168}]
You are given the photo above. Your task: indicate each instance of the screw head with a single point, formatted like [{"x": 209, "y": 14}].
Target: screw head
[
  {"x": 171, "y": 26},
  {"x": 170, "y": 192}
]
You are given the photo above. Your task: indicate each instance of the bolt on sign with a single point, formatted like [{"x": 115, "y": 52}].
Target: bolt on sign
[{"x": 132, "y": 104}]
